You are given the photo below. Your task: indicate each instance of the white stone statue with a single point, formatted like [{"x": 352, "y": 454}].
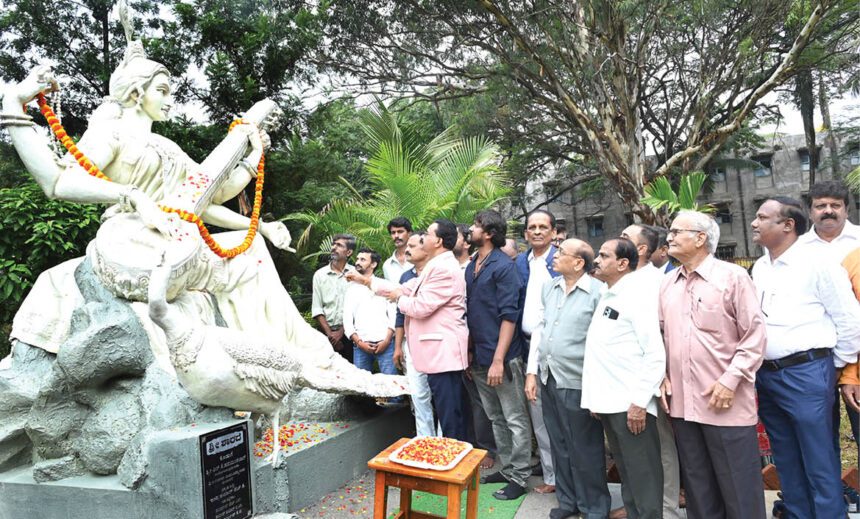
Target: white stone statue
[{"x": 147, "y": 170}]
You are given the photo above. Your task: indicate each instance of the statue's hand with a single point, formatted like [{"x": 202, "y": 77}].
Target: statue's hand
[
  {"x": 278, "y": 234},
  {"x": 152, "y": 215},
  {"x": 40, "y": 80}
]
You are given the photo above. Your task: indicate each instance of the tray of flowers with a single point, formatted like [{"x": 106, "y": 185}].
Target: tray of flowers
[{"x": 431, "y": 452}]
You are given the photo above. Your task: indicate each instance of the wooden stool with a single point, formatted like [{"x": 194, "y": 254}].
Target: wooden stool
[{"x": 444, "y": 483}]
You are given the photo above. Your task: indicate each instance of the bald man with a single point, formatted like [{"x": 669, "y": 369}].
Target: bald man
[{"x": 555, "y": 362}]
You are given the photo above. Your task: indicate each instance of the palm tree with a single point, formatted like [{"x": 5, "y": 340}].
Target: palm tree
[
  {"x": 448, "y": 177},
  {"x": 662, "y": 198}
]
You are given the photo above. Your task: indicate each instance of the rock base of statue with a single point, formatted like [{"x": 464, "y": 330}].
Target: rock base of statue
[
  {"x": 100, "y": 430},
  {"x": 177, "y": 476}
]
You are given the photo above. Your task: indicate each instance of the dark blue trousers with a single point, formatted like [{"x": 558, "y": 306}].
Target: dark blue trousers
[
  {"x": 449, "y": 400},
  {"x": 796, "y": 406}
]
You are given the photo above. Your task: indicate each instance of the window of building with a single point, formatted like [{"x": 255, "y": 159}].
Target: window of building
[
  {"x": 595, "y": 227},
  {"x": 723, "y": 214},
  {"x": 725, "y": 252},
  {"x": 718, "y": 174},
  {"x": 764, "y": 164},
  {"x": 762, "y": 173},
  {"x": 854, "y": 155},
  {"x": 804, "y": 160}
]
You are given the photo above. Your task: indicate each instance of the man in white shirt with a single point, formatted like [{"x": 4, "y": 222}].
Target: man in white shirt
[
  {"x": 647, "y": 241},
  {"x": 624, "y": 364},
  {"x": 813, "y": 327},
  {"x": 368, "y": 319},
  {"x": 832, "y": 236},
  {"x": 399, "y": 229},
  {"x": 535, "y": 269}
]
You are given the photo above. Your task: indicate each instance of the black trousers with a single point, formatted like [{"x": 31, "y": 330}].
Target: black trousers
[
  {"x": 578, "y": 455},
  {"x": 721, "y": 470},
  {"x": 638, "y": 459}
]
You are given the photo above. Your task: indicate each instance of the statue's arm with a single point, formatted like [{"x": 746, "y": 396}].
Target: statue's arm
[
  {"x": 69, "y": 181},
  {"x": 246, "y": 170},
  {"x": 276, "y": 232},
  {"x": 59, "y": 180}
]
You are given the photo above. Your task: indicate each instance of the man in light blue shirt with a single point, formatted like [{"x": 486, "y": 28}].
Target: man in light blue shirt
[{"x": 556, "y": 359}]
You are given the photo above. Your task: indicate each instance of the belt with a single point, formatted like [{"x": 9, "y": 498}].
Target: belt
[{"x": 796, "y": 358}]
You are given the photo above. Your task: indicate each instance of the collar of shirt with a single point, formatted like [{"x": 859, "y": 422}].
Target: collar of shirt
[
  {"x": 583, "y": 283},
  {"x": 704, "y": 270},
  {"x": 789, "y": 256},
  {"x": 620, "y": 286},
  {"x": 849, "y": 231},
  {"x": 327, "y": 270},
  {"x": 543, "y": 256},
  {"x": 393, "y": 260}
]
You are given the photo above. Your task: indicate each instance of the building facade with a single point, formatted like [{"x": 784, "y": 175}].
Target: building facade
[{"x": 736, "y": 188}]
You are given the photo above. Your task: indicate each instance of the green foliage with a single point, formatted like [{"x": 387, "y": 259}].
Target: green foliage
[
  {"x": 853, "y": 179},
  {"x": 37, "y": 234},
  {"x": 447, "y": 177},
  {"x": 661, "y": 196}
]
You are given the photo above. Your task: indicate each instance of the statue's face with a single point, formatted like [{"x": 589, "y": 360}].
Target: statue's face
[{"x": 157, "y": 100}]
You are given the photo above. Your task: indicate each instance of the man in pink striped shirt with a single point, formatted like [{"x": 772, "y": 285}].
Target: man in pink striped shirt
[{"x": 714, "y": 334}]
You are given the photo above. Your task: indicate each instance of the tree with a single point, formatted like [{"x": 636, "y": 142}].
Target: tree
[
  {"x": 608, "y": 78},
  {"x": 447, "y": 177},
  {"x": 82, "y": 43}
]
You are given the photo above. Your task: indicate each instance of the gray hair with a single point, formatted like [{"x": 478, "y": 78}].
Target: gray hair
[{"x": 706, "y": 224}]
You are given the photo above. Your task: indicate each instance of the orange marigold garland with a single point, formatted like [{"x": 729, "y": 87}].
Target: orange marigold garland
[{"x": 188, "y": 216}]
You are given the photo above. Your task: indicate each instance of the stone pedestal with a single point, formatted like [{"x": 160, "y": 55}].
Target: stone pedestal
[{"x": 173, "y": 486}]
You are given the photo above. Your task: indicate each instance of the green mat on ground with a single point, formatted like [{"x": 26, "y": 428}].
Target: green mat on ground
[{"x": 488, "y": 506}]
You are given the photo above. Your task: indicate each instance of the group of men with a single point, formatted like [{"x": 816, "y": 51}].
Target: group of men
[{"x": 663, "y": 363}]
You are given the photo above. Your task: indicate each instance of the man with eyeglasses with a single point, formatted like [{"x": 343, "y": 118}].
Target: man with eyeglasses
[
  {"x": 715, "y": 337},
  {"x": 555, "y": 364},
  {"x": 813, "y": 327}
]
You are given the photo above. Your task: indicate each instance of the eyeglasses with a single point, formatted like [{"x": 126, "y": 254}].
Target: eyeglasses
[
  {"x": 561, "y": 252},
  {"x": 674, "y": 232}
]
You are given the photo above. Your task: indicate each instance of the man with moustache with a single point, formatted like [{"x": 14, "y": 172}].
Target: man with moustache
[
  {"x": 422, "y": 404},
  {"x": 434, "y": 305},
  {"x": 813, "y": 327},
  {"x": 555, "y": 366},
  {"x": 647, "y": 243},
  {"x": 329, "y": 287},
  {"x": 831, "y": 238},
  {"x": 399, "y": 229},
  {"x": 624, "y": 365},
  {"x": 368, "y": 319},
  {"x": 493, "y": 289},
  {"x": 535, "y": 269},
  {"x": 714, "y": 334},
  {"x": 832, "y": 235},
  {"x": 481, "y": 429}
]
